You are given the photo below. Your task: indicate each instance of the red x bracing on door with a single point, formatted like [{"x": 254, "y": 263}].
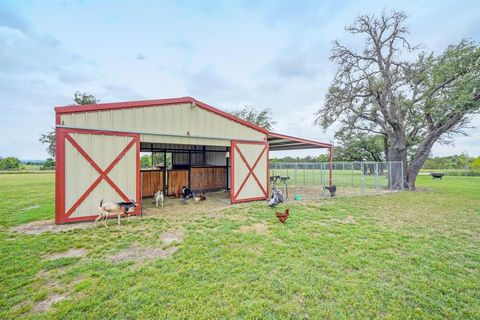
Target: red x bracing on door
[
  {"x": 62, "y": 213},
  {"x": 260, "y": 154}
]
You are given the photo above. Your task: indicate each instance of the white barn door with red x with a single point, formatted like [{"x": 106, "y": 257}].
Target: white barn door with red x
[
  {"x": 94, "y": 165},
  {"x": 249, "y": 171}
]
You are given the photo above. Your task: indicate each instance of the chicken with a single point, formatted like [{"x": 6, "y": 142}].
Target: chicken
[
  {"x": 332, "y": 190},
  {"x": 200, "y": 198},
  {"x": 282, "y": 216}
]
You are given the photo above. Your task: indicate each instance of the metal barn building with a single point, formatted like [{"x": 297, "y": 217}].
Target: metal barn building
[{"x": 99, "y": 145}]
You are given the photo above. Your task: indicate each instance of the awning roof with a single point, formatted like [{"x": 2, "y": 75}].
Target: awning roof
[{"x": 279, "y": 141}]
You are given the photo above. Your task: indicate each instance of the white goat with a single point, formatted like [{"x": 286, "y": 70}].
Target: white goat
[{"x": 159, "y": 198}]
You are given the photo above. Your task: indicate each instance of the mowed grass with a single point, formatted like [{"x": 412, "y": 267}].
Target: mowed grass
[{"x": 401, "y": 255}]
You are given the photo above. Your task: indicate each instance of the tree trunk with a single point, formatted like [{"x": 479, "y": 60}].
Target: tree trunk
[
  {"x": 419, "y": 159},
  {"x": 397, "y": 151},
  {"x": 425, "y": 147}
]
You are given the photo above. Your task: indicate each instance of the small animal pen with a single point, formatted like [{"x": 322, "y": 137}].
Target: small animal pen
[
  {"x": 99, "y": 145},
  {"x": 307, "y": 179}
]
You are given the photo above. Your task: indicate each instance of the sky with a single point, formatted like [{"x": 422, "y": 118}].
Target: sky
[{"x": 229, "y": 54}]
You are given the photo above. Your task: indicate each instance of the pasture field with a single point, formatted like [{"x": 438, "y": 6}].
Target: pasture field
[{"x": 400, "y": 255}]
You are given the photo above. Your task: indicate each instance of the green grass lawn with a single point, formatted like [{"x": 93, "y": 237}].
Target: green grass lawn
[{"x": 401, "y": 255}]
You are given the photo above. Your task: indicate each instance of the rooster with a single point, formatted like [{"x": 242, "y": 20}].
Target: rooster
[
  {"x": 332, "y": 190},
  {"x": 282, "y": 216}
]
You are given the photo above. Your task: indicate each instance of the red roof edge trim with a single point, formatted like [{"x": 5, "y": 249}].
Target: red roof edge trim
[
  {"x": 151, "y": 103},
  {"x": 312, "y": 142},
  {"x": 229, "y": 116}
]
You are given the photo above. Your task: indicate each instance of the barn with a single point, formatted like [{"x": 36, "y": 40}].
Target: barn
[{"x": 99, "y": 146}]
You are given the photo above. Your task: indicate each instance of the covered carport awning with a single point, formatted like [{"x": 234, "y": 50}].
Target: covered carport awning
[
  {"x": 282, "y": 142},
  {"x": 279, "y": 141}
]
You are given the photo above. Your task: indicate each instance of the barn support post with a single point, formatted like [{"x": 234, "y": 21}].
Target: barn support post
[
  {"x": 227, "y": 163},
  {"x": 190, "y": 169},
  {"x": 331, "y": 166},
  {"x": 151, "y": 150},
  {"x": 165, "y": 188}
]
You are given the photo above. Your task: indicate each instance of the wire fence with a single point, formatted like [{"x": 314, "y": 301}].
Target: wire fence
[{"x": 308, "y": 180}]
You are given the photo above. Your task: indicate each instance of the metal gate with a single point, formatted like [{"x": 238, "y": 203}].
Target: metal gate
[
  {"x": 91, "y": 166},
  {"x": 249, "y": 171}
]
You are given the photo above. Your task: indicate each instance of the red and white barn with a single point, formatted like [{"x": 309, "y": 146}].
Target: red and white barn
[{"x": 99, "y": 145}]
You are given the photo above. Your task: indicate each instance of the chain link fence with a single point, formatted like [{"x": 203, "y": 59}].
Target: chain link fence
[{"x": 306, "y": 180}]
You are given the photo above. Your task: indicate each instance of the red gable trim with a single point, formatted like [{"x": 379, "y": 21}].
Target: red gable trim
[
  {"x": 306, "y": 141},
  {"x": 151, "y": 103}
]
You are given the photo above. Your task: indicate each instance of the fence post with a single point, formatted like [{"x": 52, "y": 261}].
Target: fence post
[
  {"x": 362, "y": 179},
  {"x": 352, "y": 173},
  {"x": 304, "y": 172},
  {"x": 390, "y": 176},
  {"x": 313, "y": 174},
  {"x": 296, "y": 165},
  {"x": 320, "y": 172},
  {"x": 377, "y": 181},
  {"x": 401, "y": 172}
]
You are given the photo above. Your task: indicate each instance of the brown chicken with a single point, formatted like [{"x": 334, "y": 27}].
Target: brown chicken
[{"x": 282, "y": 216}]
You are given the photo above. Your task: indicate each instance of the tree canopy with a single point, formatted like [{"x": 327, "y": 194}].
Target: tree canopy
[
  {"x": 79, "y": 98},
  {"x": 262, "y": 118},
  {"x": 412, "y": 103},
  {"x": 9, "y": 163}
]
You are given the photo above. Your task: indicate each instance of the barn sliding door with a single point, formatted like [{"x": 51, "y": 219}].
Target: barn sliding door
[
  {"x": 249, "y": 171},
  {"x": 91, "y": 166}
]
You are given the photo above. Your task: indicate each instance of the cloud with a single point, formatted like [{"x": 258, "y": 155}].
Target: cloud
[
  {"x": 11, "y": 20},
  {"x": 298, "y": 62},
  {"x": 228, "y": 54},
  {"x": 207, "y": 83}
]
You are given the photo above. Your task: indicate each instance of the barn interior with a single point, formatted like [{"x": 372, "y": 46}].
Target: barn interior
[{"x": 201, "y": 168}]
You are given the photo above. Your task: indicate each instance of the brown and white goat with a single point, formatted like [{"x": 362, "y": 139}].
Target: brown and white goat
[{"x": 108, "y": 209}]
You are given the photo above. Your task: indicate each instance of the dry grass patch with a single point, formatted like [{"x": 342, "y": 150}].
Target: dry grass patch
[
  {"x": 138, "y": 254},
  {"x": 39, "y": 227},
  {"x": 260, "y": 228},
  {"x": 47, "y": 304},
  {"x": 72, "y": 253},
  {"x": 170, "y": 237}
]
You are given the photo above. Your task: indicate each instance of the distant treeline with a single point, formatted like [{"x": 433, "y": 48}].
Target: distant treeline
[
  {"x": 14, "y": 164},
  {"x": 458, "y": 162}
]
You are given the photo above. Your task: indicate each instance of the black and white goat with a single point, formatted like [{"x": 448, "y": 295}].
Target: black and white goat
[{"x": 108, "y": 209}]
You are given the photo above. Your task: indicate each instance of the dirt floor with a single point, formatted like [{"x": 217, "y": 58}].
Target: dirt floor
[
  {"x": 42, "y": 226},
  {"x": 173, "y": 208}
]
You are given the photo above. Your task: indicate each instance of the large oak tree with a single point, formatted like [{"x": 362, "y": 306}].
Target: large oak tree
[{"x": 411, "y": 98}]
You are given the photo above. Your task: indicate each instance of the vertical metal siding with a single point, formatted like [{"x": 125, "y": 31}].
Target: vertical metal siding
[
  {"x": 215, "y": 158},
  {"x": 80, "y": 175},
  {"x": 179, "y": 119},
  {"x": 251, "y": 189}
]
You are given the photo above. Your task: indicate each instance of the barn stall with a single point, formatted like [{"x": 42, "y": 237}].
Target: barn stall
[{"x": 99, "y": 146}]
